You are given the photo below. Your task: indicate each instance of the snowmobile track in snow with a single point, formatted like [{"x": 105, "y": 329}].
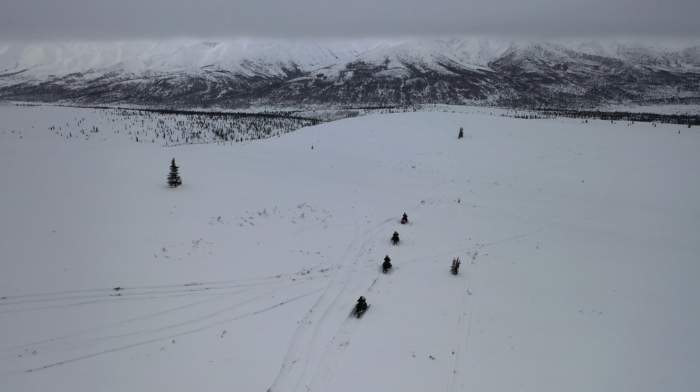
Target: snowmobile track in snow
[
  {"x": 315, "y": 332},
  {"x": 250, "y": 297}
]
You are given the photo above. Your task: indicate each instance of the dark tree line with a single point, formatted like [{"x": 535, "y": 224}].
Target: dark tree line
[
  {"x": 682, "y": 119},
  {"x": 173, "y": 127}
]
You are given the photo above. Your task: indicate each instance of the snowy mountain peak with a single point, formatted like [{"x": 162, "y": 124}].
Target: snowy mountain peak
[{"x": 366, "y": 72}]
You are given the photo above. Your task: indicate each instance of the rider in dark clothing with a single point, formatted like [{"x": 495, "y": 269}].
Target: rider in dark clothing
[
  {"x": 395, "y": 238},
  {"x": 405, "y": 218},
  {"x": 387, "y": 263},
  {"x": 361, "y": 304}
]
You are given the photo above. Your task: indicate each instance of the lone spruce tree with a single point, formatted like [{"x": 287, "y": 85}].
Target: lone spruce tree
[{"x": 174, "y": 178}]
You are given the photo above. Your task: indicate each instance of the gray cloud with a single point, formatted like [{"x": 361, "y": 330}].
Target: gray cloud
[{"x": 134, "y": 19}]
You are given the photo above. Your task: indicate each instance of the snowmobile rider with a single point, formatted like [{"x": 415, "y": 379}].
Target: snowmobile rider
[
  {"x": 387, "y": 263},
  {"x": 405, "y": 218},
  {"x": 395, "y": 238},
  {"x": 361, "y": 305}
]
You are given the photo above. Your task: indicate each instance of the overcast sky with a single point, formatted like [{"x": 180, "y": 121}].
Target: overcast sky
[{"x": 30, "y": 20}]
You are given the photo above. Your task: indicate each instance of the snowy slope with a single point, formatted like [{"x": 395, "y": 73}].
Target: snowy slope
[
  {"x": 579, "y": 245},
  {"x": 246, "y": 72}
]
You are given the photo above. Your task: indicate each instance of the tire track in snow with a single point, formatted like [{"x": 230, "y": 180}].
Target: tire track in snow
[
  {"x": 323, "y": 374},
  {"x": 303, "y": 366},
  {"x": 331, "y": 357},
  {"x": 335, "y": 350},
  {"x": 131, "y": 293},
  {"x": 35, "y": 345},
  {"x": 464, "y": 322},
  {"x": 455, "y": 381},
  {"x": 88, "y": 341},
  {"x": 168, "y": 337},
  {"x": 259, "y": 295}
]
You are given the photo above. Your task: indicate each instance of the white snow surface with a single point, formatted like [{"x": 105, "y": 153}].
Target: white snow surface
[{"x": 579, "y": 246}]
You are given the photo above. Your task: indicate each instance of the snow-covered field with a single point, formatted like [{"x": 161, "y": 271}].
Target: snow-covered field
[{"x": 579, "y": 243}]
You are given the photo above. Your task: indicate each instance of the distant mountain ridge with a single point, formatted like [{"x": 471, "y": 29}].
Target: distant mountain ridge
[{"x": 244, "y": 73}]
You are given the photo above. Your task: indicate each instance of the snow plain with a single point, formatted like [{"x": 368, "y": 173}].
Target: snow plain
[{"x": 579, "y": 245}]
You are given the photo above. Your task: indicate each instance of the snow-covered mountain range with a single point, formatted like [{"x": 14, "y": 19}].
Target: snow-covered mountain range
[{"x": 244, "y": 72}]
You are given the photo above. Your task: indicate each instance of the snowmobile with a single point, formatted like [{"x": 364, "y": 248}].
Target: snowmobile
[
  {"x": 395, "y": 238},
  {"x": 361, "y": 307},
  {"x": 386, "y": 266},
  {"x": 404, "y": 220},
  {"x": 455, "y": 266}
]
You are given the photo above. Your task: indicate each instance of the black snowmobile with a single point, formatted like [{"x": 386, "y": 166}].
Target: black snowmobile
[
  {"x": 361, "y": 307},
  {"x": 455, "y": 266},
  {"x": 386, "y": 266},
  {"x": 404, "y": 220},
  {"x": 395, "y": 238}
]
